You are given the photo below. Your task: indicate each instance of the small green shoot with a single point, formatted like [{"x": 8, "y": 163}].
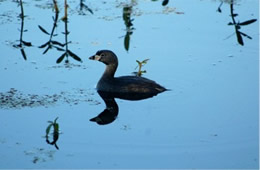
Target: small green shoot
[{"x": 140, "y": 65}]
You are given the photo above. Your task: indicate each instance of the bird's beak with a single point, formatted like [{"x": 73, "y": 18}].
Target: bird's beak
[{"x": 95, "y": 57}]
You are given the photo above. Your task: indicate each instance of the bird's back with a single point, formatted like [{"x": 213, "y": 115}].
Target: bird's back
[{"x": 130, "y": 84}]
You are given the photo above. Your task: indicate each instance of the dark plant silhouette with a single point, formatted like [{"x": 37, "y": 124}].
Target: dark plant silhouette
[
  {"x": 51, "y": 43},
  {"x": 164, "y": 2},
  {"x": 238, "y": 24},
  {"x": 55, "y": 44},
  {"x": 67, "y": 52},
  {"x": 55, "y": 135},
  {"x": 82, "y": 7},
  {"x": 219, "y": 7},
  {"x": 22, "y": 43}
]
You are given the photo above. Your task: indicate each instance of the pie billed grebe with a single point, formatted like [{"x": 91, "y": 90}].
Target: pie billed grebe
[{"x": 123, "y": 84}]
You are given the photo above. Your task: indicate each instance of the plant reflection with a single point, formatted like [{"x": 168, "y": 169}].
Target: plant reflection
[
  {"x": 128, "y": 21},
  {"x": 127, "y": 11},
  {"x": 58, "y": 45},
  {"x": 83, "y": 6},
  {"x": 237, "y": 25},
  {"x": 22, "y": 43},
  {"x": 109, "y": 114},
  {"x": 55, "y": 135},
  {"x": 67, "y": 52},
  {"x": 164, "y": 2},
  {"x": 51, "y": 43}
]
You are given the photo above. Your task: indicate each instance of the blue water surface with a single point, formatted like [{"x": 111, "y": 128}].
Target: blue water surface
[{"x": 208, "y": 119}]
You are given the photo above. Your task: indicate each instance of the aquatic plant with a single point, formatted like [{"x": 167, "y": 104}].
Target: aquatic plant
[
  {"x": 237, "y": 25},
  {"x": 51, "y": 43},
  {"x": 127, "y": 11},
  {"x": 67, "y": 52},
  {"x": 139, "y": 66},
  {"x": 164, "y": 2},
  {"x": 55, "y": 135},
  {"x": 22, "y": 43},
  {"x": 83, "y": 6},
  {"x": 55, "y": 44}
]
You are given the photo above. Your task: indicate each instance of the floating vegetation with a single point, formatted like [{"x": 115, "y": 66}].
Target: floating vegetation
[
  {"x": 168, "y": 10},
  {"x": 40, "y": 155},
  {"x": 14, "y": 99},
  {"x": 6, "y": 17},
  {"x": 68, "y": 66},
  {"x": 126, "y": 127}
]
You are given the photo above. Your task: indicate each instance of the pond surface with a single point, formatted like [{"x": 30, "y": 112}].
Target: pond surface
[{"x": 206, "y": 56}]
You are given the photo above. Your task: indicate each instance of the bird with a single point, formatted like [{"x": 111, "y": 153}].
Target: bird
[{"x": 131, "y": 85}]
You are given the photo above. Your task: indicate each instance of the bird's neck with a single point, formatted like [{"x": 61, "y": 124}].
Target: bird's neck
[{"x": 109, "y": 71}]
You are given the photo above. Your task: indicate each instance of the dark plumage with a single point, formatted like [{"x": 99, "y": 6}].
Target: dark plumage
[{"x": 123, "y": 84}]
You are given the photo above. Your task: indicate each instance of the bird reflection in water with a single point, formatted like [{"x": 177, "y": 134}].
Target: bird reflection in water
[{"x": 109, "y": 114}]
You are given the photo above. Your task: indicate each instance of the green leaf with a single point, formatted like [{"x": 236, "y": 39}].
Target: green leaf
[
  {"x": 145, "y": 61},
  {"x": 56, "y": 127},
  {"x": 56, "y": 119},
  {"x": 127, "y": 41},
  {"x": 43, "y": 30},
  {"x": 74, "y": 56},
  {"x": 48, "y": 129},
  {"x": 59, "y": 60}
]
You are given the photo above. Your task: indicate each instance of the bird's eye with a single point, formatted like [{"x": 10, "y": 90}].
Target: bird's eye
[{"x": 102, "y": 55}]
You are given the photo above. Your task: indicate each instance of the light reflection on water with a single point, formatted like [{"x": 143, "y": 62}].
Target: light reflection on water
[{"x": 209, "y": 119}]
